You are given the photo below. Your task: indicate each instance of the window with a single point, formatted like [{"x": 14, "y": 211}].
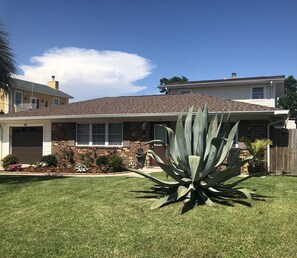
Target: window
[
  {"x": 185, "y": 92},
  {"x": 258, "y": 93},
  {"x": 83, "y": 134},
  {"x": 100, "y": 134},
  {"x": 160, "y": 133},
  {"x": 115, "y": 134},
  {"x": 56, "y": 101},
  {"x": 18, "y": 97},
  {"x": 34, "y": 103}
]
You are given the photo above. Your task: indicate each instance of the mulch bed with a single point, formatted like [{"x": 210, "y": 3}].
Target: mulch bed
[{"x": 62, "y": 171}]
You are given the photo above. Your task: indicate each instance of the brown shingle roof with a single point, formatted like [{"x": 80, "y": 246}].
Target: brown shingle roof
[{"x": 157, "y": 104}]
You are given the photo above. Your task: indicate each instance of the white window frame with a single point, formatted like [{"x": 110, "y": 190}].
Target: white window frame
[
  {"x": 58, "y": 101},
  {"x": 264, "y": 92},
  {"x": 22, "y": 97},
  {"x": 90, "y": 144}
]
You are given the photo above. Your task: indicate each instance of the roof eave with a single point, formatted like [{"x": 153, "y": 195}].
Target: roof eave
[
  {"x": 137, "y": 115},
  {"x": 195, "y": 84}
]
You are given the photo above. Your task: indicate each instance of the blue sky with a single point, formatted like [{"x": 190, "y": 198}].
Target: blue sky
[{"x": 124, "y": 47}]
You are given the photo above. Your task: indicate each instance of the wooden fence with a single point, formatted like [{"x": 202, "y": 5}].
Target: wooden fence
[{"x": 283, "y": 152}]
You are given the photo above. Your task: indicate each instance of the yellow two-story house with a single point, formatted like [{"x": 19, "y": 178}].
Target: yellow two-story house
[{"x": 27, "y": 95}]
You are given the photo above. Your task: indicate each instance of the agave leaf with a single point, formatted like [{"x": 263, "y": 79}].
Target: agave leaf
[
  {"x": 237, "y": 182},
  {"x": 199, "y": 133},
  {"x": 205, "y": 199},
  {"x": 247, "y": 193},
  {"x": 181, "y": 172},
  {"x": 224, "y": 175},
  {"x": 172, "y": 144},
  {"x": 212, "y": 133},
  {"x": 156, "y": 180},
  {"x": 180, "y": 140},
  {"x": 220, "y": 123},
  {"x": 165, "y": 167},
  {"x": 188, "y": 131},
  {"x": 182, "y": 191},
  {"x": 226, "y": 127},
  {"x": 164, "y": 200},
  {"x": 164, "y": 145},
  {"x": 228, "y": 144},
  {"x": 194, "y": 162},
  {"x": 211, "y": 159}
]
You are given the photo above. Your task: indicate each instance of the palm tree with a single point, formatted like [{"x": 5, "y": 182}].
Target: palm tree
[{"x": 7, "y": 63}]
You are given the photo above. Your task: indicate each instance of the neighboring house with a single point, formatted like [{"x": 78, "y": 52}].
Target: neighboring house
[
  {"x": 121, "y": 124},
  {"x": 29, "y": 95},
  {"x": 264, "y": 90}
]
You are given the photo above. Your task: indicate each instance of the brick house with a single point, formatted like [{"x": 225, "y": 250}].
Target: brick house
[{"x": 120, "y": 124}]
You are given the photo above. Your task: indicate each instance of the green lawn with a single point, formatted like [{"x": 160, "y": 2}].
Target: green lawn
[{"x": 108, "y": 217}]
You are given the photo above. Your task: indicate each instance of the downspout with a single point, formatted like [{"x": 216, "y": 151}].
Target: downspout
[{"x": 268, "y": 146}]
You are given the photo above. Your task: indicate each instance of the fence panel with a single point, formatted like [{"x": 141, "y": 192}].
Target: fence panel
[{"x": 283, "y": 153}]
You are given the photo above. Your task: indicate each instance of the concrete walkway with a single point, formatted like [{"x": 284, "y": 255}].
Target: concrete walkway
[{"x": 130, "y": 174}]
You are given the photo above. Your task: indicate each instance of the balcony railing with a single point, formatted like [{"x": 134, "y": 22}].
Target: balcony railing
[{"x": 24, "y": 106}]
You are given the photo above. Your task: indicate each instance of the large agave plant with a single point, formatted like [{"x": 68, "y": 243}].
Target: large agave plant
[{"x": 193, "y": 157}]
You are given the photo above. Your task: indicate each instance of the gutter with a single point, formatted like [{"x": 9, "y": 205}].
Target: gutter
[
  {"x": 235, "y": 81},
  {"x": 136, "y": 115}
]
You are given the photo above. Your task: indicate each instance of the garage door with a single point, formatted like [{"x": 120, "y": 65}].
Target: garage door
[{"x": 27, "y": 143}]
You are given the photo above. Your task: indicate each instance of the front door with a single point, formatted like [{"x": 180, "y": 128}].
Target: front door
[
  {"x": 26, "y": 143},
  {"x": 160, "y": 133}
]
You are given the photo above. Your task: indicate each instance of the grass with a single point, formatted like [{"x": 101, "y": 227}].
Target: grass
[{"x": 110, "y": 217}]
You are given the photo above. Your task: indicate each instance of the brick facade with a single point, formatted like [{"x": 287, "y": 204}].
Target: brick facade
[{"x": 135, "y": 136}]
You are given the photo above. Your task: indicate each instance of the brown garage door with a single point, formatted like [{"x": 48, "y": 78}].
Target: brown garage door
[{"x": 27, "y": 143}]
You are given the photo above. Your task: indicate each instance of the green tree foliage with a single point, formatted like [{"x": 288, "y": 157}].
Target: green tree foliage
[
  {"x": 174, "y": 79},
  {"x": 289, "y": 101},
  {"x": 7, "y": 63}
]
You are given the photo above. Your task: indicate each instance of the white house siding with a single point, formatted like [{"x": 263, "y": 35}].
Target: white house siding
[
  {"x": 263, "y": 102},
  {"x": 47, "y": 138},
  {"x": 5, "y": 136},
  {"x": 237, "y": 92}
]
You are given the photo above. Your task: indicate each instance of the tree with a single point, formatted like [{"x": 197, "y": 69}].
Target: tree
[
  {"x": 174, "y": 79},
  {"x": 7, "y": 63},
  {"x": 289, "y": 101}
]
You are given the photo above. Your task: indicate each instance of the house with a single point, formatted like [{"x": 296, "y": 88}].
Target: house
[
  {"x": 30, "y": 95},
  {"x": 121, "y": 124},
  {"x": 264, "y": 90}
]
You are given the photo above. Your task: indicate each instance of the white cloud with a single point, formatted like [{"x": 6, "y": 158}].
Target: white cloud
[{"x": 88, "y": 73}]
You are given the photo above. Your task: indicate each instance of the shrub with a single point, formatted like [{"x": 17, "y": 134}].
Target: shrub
[
  {"x": 9, "y": 160},
  {"x": 111, "y": 162},
  {"x": 115, "y": 163},
  {"x": 50, "y": 160},
  {"x": 102, "y": 161}
]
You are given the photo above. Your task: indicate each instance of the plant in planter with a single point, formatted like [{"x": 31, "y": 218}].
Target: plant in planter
[
  {"x": 256, "y": 149},
  {"x": 193, "y": 157}
]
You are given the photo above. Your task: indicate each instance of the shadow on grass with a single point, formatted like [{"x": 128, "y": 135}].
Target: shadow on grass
[
  {"x": 9, "y": 179},
  {"x": 157, "y": 192}
]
